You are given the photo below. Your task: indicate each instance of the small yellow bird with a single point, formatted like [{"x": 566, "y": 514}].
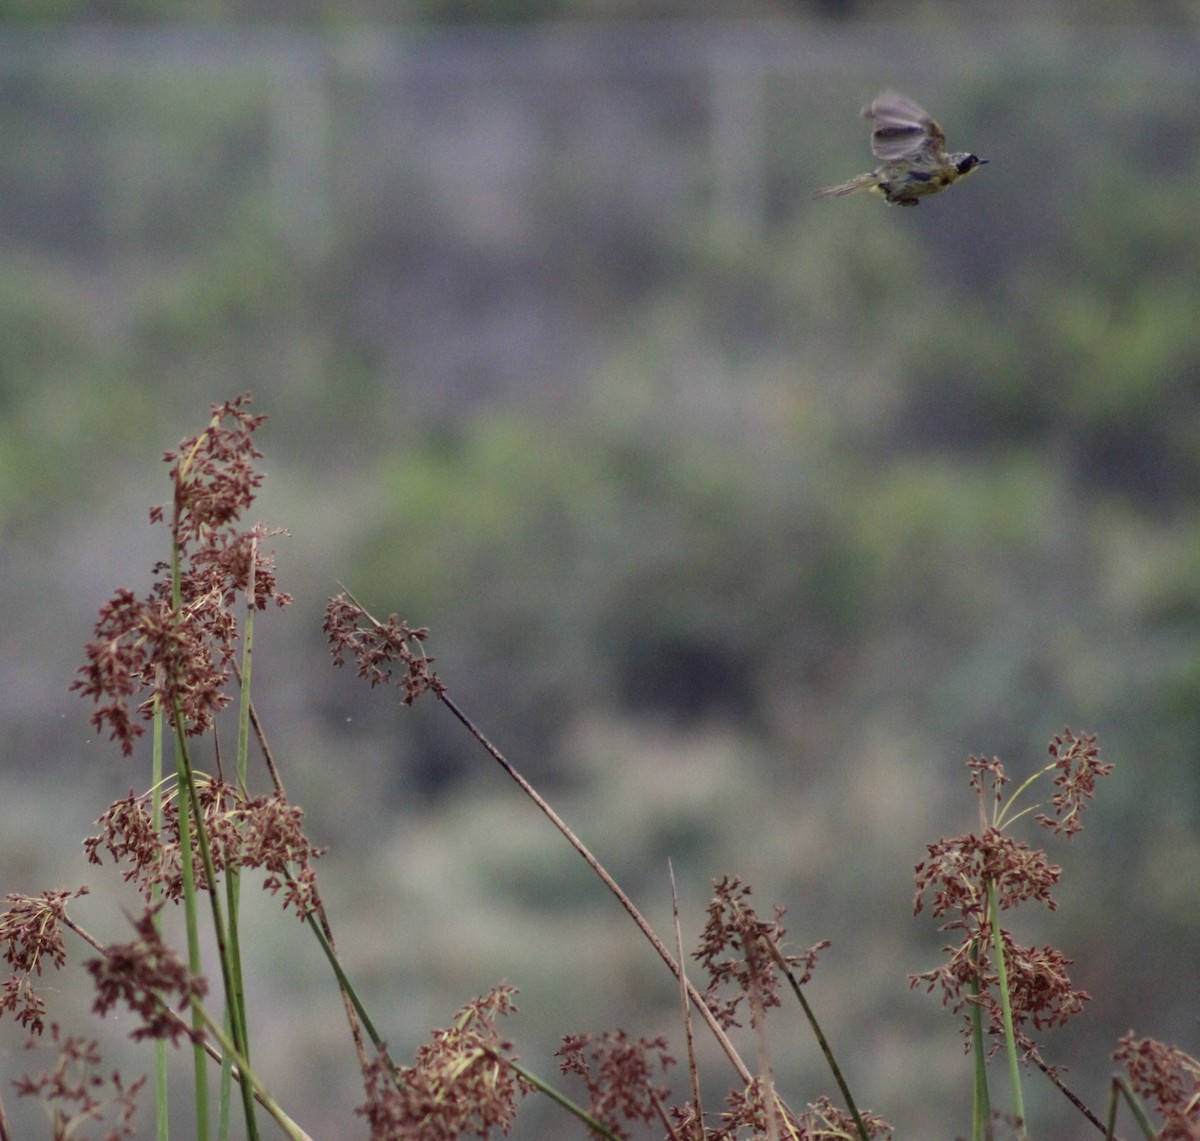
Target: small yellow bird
[{"x": 913, "y": 149}]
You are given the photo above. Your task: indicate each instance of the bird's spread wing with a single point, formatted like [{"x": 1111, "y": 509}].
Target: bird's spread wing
[{"x": 902, "y": 129}]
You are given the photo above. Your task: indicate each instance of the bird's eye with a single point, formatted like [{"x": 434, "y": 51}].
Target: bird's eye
[{"x": 968, "y": 163}]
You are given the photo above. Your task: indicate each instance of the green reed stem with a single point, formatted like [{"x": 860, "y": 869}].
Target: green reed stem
[
  {"x": 554, "y": 1095},
  {"x": 1120, "y": 1089},
  {"x": 247, "y": 1079},
  {"x": 195, "y": 963},
  {"x": 981, "y": 1112},
  {"x": 822, "y": 1041},
  {"x": 161, "y": 1102},
  {"x": 220, "y": 933},
  {"x": 233, "y": 881},
  {"x": 344, "y": 982},
  {"x": 1010, "y": 1038}
]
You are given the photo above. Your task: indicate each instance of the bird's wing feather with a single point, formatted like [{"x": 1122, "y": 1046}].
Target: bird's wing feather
[{"x": 902, "y": 128}]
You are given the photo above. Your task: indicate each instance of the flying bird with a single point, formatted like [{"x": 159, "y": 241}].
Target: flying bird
[{"x": 913, "y": 149}]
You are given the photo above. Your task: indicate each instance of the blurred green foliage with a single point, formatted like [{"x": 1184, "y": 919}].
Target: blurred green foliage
[
  {"x": 622, "y": 444},
  {"x": 523, "y": 12}
]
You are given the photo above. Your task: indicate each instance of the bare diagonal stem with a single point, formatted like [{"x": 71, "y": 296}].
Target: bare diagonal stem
[{"x": 612, "y": 885}]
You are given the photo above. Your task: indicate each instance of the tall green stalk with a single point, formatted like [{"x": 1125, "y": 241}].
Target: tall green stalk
[
  {"x": 233, "y": 882},
  {"x": 981, "y": 1115},
  {"x": 1010, "y": 1038},
  {"x": 819, "y": 1034},
  {"x": 220, "y": 931},
  {"x": 161, "y": 1103},
  {"x": 195, "y": 963},
  {"x": 191, "y": 811}
]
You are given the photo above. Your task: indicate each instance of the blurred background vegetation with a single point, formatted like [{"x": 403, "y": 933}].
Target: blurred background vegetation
[{"x": 739, "y": 520}]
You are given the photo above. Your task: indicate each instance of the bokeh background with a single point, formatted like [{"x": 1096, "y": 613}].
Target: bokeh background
[{"x": 739, "y": 520}]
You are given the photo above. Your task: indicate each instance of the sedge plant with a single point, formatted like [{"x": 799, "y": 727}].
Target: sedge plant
[{"x": 176, "y": 659}]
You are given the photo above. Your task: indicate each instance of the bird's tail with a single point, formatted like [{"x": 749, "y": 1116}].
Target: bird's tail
[{"x": 862, "y": 182}]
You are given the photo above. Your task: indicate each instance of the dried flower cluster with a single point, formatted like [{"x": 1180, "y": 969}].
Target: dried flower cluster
[
  {"x": 957, "y": 869},
  {"x": 31, "y": 931},
  {"x": 958, "y": 874},
  {"x": 244, "y": 832},
  {"x": 460, "y": 1084},
  {"x": 175, "y": 651},
  {"x": 1169, "y": 1078},
  {"x": 380, "y": 648},
  {"x": 747, "y": 1109},
  {"x": 145, "y": 975},
  {"x": 733, "y": 952},
  {"x": 74, "y": 1093},
  {"x": 746, "y": 1118},
  {"x": 1077, "y": 765},
  {"x": 619, "y": 1074},
  {"x": 823, "y": 1119}
]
